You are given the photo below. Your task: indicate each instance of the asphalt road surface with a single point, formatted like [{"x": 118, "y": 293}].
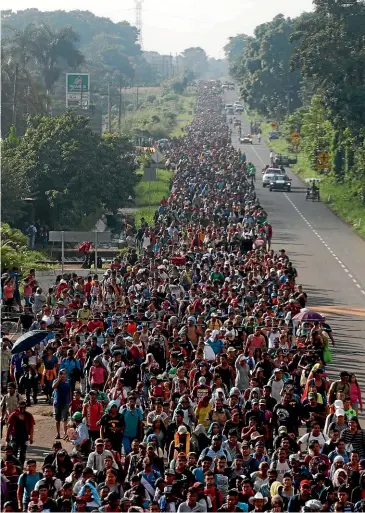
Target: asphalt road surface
[{"x": 328, "y": 255}]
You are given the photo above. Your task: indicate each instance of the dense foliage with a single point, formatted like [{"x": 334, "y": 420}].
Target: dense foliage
[
  {"x": 14, "y": 251},
  {"x": 72, "y": 173},
  {"x": 311, "y": 68},
  {"x": 38, "y": 48}
]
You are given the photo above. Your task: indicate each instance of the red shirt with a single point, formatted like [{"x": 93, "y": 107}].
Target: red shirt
[{"x": 92, "y": 325}]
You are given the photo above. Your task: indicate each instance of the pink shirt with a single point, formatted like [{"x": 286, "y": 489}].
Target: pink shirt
[
  {"x": 96, "y": 375},
  {"x": 355, "y": 394}
]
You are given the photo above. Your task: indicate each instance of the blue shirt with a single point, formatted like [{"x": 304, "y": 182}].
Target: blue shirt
[
  {"x": 131, "y": 420},
  {"x": 28, "y": 482},
  {"x": 69, "y": 365},
  {"x": 17, "y": 361},
  {"x": 62, "y": 394},
  {"x": 216, "y": 345}
]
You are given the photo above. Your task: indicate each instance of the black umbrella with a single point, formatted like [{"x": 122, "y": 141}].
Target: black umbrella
[{"x": 29, "y": 340}]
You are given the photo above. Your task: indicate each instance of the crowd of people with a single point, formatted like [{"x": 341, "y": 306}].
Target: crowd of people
[{"x": 187, "y": 377}]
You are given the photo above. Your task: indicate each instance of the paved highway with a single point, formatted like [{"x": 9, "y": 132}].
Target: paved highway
[{"x": 328, "y": 255}]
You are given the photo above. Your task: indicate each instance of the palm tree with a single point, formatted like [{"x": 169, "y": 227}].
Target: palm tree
[{"x": 53, "y": 51}]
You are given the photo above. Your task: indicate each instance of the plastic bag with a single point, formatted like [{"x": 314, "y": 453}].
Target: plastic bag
[{"x": 327, "y": 355}]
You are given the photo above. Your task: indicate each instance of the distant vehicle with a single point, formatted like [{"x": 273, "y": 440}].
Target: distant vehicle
[
  {"x": 274, "y": 135},
  {"x": 269, "y": 173},
  {"x": 238, "y": 109},
  {"x": 280, "y": 183},
  {"x": 284, "y": 160},
  {"x": 225, "y": 86},
  {"x": 228, "y": 106},
  {"x": 230, "y": 111},
  {"x": 246, "y": 139},
  {"x": 312, "y": 190},
  {"x": 237, "y": 122}
]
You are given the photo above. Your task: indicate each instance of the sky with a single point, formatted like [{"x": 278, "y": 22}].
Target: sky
[{"x": 170, "y": 26}]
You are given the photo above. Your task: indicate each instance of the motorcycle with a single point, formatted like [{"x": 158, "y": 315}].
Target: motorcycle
[{"x": 312, "y": 194}]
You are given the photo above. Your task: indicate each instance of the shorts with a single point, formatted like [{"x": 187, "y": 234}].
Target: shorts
[
  {"x": 61, "y": 413},
  {"x": 355, "y": 405}
]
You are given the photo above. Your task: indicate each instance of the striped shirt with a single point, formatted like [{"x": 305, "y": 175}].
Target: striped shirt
[{"x": 357, "y": 440}]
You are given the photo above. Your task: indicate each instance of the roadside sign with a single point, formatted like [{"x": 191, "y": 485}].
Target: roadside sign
[
  {"x": 149, "y": 174},
  {"x": 274, "y": 124},
  {"x": 322, "y": 160},
  {"x": 77, "y": 90},
  {"x": 295, "y": 138},
  {"x": 156, "y": 156},
  {"x": 79, "y": 236}
]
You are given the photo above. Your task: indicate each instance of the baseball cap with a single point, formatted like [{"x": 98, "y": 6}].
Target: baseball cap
[
  {"x": 339, "y": 412},
  {"x": 305, "y": 482},
  {"x": 282, "y": 429},
  {"x": 99, "y": 441}
]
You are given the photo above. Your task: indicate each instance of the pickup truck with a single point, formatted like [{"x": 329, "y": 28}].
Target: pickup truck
[{"x": 284, "y": 160}]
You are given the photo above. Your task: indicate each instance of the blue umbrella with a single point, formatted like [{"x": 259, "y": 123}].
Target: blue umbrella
[{"x": 29, "y": 340}]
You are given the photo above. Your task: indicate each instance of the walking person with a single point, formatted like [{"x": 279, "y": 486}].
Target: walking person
[
  {"x": 20, "y": 430},
  {"x": 61, "y": 402}
]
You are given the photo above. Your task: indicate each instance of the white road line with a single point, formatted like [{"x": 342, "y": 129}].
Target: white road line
[{"x": 324, "y": 242}]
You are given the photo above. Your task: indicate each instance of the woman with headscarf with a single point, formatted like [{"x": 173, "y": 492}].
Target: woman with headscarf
[
  {"x": 339, "y": 477},
  {"x": 91, "y": 496},
  {"x": 242, "y": 381},
  {"x": 199, "y": 439},
  {"x": 338, "y": 463}
]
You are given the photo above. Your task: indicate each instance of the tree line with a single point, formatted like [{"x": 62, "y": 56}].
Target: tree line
[
  {"x": 310, "y": 72},
  {"x": 38, "y": 48}
]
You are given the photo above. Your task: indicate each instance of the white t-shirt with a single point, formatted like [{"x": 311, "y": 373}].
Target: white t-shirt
[
  {"x": 306, "y": 439},
  {"x": 281, "y": 469}
]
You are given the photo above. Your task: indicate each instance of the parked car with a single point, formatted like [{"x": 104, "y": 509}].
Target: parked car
[
  {"x": 274, "y": 135},
  {"x": 284, "y": 160}
]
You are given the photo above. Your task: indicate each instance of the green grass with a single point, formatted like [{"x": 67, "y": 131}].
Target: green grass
[
  {"x": 184, "y": 118},
  {"x": 342, "y": 199},
  {"x": 149, "y": 195}
]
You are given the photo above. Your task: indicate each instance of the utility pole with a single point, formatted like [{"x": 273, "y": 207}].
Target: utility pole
[
  {"x": 109, "y": 112},
  {"x": 15, "y": 89},
  {"x": 120, "y": 107}
]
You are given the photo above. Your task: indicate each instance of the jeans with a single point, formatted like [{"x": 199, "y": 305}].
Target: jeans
[
  {"x": 127, "y": 440},
  {"x": 31, "y": 385}
]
